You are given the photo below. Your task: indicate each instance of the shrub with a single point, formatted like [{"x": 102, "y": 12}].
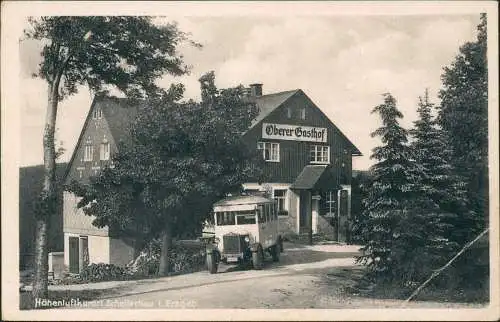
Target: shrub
[
  {"x": 182, "y": 259},
  {"x": 102, "y": 272}
]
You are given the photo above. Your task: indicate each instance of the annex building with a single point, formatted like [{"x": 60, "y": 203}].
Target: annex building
[{"x": 308, "y": 166}]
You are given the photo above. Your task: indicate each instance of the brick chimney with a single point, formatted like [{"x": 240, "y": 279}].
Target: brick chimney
[{"x": 255, "y": 90}]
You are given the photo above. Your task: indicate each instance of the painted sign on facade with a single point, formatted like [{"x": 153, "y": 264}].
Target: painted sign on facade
[{"x": 294, "y": 132}]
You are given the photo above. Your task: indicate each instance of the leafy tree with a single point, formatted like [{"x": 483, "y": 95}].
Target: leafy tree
[
  {"x": 393, "y": 183},
  {"x": 127, "y": 53},
  {"x": 182, "y": 157},
  {"x": 463, "y": 115}
]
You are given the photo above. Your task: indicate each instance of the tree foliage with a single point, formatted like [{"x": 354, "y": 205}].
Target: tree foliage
[
  {"x": 124, "y": 53},
  {"x": 463, "y": 115},
  {"x": 393, "y": 182},
  {"x": 440, "y": 181},
  {"x": 404, "y": 229},
  {"x": 181, "y": 158}
]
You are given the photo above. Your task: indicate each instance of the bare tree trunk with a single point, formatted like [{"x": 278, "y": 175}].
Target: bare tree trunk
[
  {"x": 166, "y": 246},
  {"x": 48, "y": 196}
]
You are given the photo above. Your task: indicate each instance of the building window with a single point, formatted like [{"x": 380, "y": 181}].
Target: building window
[
  {"x": 328, "y": 202},
  {"x": 97, "y": 113},
  {"x": 279, "y": 196},
  {"x": 270, "y": 151},
  {"x": 289, "y": 112},
  {"x": 88, "y": 154},
  {"x": 104, "y": 152},
  {"x": 303, "y": 113},
  {"x": 320, "y": 154},
  {"x": 253, "y": 192}
]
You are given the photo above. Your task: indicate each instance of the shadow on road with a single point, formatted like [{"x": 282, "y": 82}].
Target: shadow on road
[{"x": 293, "y": 254}]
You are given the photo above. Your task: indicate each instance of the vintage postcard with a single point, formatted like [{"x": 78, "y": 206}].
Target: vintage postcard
[{"x": 250, "y": 160}]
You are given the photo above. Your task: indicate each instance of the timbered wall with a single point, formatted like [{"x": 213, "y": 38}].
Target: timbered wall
[{"x": 295, "y": 155}]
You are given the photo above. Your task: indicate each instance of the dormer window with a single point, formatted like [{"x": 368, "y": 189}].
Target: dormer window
[
  {"x": 97, "y": 113},
  {"x": 303, "y": 113},
  {"x": 289, "y": 112}
]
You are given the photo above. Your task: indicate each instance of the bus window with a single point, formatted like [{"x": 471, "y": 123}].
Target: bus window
[
  {"x": 261, "y": 214},
  {"x": 245, "y": 218},
  {"x": 225, "y": 218}
]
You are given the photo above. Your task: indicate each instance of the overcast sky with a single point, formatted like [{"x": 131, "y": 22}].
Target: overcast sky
[{"x": 342, "y": 63}]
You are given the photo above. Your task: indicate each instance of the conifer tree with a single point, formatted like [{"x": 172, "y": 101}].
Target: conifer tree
[
  {"x": 429, "y": 231},
  {"x": 440, "y": 181},
  {"x": 392, "y": 186},
  {"x": 463, "y": 115}
]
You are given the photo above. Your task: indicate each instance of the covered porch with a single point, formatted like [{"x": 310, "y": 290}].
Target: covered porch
[{"x": 322, "y": 205}]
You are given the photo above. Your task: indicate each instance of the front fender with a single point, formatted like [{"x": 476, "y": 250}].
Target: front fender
[
  {"x": 254, "y": 247},
  {"x": 211, "y": 248}
]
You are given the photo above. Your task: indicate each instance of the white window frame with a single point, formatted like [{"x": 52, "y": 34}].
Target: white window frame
[
  {"x": 97, "y": 114},
  {"x": 273, "y": 148},
  {"x": 88, "y": 152},
  {"x": 104, "y": 151},
  {"x": 318, "y": 154},
  {"x": 280, "y": 198},
  {"x": 330, "y": 201}
]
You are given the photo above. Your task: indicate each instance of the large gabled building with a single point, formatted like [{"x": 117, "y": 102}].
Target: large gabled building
[
  {"x": 308, "y": 162},
  {"x": 308, "y": 169}
]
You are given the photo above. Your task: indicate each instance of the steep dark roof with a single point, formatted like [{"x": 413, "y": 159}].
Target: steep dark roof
[
  {"x": 309, "y": 176},
  {"x": 270, "y": 102},
  {"x": 119, "y": 114}
]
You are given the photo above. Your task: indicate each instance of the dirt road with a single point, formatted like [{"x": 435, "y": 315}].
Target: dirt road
[{"x": 305, "y": 277}]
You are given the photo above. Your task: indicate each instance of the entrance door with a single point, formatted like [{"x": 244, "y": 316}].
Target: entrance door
[
  {"x": 305, "y": 208},
  {"x": 74, "y": 255},
  {"x": 84, "y": 254},
  {"x": 343, "y": 213}
]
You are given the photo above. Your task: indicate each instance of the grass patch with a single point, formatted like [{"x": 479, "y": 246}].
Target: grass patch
[{"x": 439, "y": 291}]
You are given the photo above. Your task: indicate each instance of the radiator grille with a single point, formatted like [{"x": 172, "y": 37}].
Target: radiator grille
[{"x": 232, "y": 244}]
